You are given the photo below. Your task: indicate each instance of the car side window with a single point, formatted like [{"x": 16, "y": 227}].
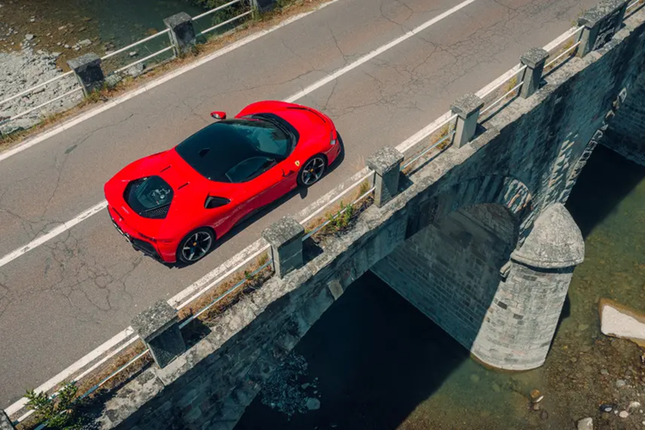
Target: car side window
[{"x": 250, "y": 168}]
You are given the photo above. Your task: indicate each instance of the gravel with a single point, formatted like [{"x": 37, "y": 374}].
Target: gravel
[
  {"x": 22, "y": 70},
  {"x": 285, "y": 390}
]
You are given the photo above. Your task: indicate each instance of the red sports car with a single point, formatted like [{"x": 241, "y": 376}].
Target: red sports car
[{"x": 174, "y": 205}]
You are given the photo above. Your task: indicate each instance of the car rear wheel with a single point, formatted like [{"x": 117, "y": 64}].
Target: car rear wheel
[
  {"x": 195, "y": 245},
  {"x": 312, "y": 170}
]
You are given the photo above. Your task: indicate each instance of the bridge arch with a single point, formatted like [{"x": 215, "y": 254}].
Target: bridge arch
[{"x": 478, "y": 263}]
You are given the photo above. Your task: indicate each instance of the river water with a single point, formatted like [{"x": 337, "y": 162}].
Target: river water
[
  {"x": 381, "y": 364},
  {"x": 119, "y": 22}
]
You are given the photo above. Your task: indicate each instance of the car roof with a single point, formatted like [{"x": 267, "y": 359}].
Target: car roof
[{"x": 215, "y": 149}]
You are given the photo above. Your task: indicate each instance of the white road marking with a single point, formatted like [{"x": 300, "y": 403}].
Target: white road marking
[
  {"x": 69, "y": 124},
  {"x": 69, "y": 372},
  {"x": 364, "y": 59},
  {"x": 52, "y": 233},
  {"x": 313, "y": 87},
  {"x": 95, "y": 209}
]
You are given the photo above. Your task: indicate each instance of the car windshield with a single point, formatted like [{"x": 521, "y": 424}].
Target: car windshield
[
  {"x": 217, "y": 149},
  {"x": 249, "y": 169}
]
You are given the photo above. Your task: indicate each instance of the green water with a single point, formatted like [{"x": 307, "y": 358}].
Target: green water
[{"x": 381, "y": 364}]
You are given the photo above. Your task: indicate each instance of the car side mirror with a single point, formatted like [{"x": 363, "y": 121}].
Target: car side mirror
[{"x": 218, "y": 114}]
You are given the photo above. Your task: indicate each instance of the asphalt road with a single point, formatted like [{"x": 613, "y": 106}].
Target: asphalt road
[{"x": 64, "y": 298}]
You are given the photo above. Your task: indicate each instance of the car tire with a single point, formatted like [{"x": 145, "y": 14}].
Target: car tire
[
  {"x": 196, "y": 245},
  {"x": 312, "y": 170}
]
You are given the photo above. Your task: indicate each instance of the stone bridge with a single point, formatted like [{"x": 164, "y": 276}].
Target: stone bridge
[{"x": 477, "y": 238}]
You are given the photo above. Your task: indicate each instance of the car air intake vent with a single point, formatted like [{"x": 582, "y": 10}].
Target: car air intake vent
[
  {"x": 150, "y": 197},
  {"x": 156, "y": 213},
  {"x": 213, "y": 202}
]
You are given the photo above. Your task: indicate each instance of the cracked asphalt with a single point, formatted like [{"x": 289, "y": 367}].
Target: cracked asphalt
[{"x": 71, "y": 294}]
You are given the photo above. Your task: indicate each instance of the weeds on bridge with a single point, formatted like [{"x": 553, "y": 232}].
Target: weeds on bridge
[
  {"x": 559, "y": 50},
  {"x": 60, "y": 412},
  {"x": 435, "y": 137},
  {"x": 226, "y": 293}
]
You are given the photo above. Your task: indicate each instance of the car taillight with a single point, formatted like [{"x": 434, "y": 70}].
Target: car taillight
[
  {"x": 151, "y": 239},
  {"x": 332, "y": 141}
]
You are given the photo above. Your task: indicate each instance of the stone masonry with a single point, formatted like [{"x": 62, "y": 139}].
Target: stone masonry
[
  {"x": 626, "y": 132},
  {"x": 513, "y": 177}
]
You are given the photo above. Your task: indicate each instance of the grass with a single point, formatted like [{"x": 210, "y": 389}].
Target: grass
[
  {"x": 336, "y": 208},
  {"x": 432, "y": 140},
  {"x": 566, "y": 45},
  {"x": 252, "y": 283},
  {"x": 83, "y": 386}
]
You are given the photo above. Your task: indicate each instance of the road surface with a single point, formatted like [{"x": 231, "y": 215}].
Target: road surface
[{"x": 69, "y": 295}]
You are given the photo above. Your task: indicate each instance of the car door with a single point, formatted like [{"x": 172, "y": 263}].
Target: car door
[{"x": 267, "y": 183}]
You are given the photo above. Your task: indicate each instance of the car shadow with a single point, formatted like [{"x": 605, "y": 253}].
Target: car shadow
[{"x": 265, "y": 210}]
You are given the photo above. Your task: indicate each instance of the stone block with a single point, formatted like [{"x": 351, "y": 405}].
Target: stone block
[
  {"x": 534, "y": 60},
  {"x": 159, "y": 329},
  {"x": 88, "y": 72},
  {"x": 600, "y": 24},
  {"x": 467, "y": 109},
  {"x": 387, "y": 164},
  {"x": 285, "y": 238},
  {"x": 263, "y": 5},
  {"x": 182, "y": 32}
]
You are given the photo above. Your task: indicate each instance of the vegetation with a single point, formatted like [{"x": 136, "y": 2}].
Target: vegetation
[
  {"x": 340, "y": 220},
  {"x": 59, "y": 412}
]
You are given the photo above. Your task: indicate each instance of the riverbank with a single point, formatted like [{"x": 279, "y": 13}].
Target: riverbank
[{"x": 378, "y": 363}]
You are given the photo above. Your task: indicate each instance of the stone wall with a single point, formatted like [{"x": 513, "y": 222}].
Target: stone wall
[
  {"x": 626, "y": 132},
  {"x": 525, "y": 159},
  {"x": 450, "y": 269},
  {"x": 502, "y": 306}
]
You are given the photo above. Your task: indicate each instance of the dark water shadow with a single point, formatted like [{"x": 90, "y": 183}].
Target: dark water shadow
[
  {"x": 377, "y": 358},
  {"x": 566, "y": 313},
  {"x": 603, "y": 183}
]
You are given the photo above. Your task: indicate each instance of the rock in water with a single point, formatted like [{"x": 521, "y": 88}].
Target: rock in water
[
  {"x": 585, "y": 424},
  {"x": 313, "y": 404},
  {"x": 620, "y": 321},
  {"x": 623, "y": 414}
]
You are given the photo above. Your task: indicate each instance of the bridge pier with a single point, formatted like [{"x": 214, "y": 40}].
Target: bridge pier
[
  {"x": 522, "y": 319},
  {"x": 454, "y": 271}
]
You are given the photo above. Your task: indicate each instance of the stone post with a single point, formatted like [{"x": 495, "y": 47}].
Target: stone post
[
  {"x": 520, "y": 323},
  {"x": 387, "y": 164},
  {"x": 87, "y": 69},
  {"x": 600, "y": 23},
  {"x": 467, "y": 108},
  {"x": 182, "y": 32},
  {"x": 158, "y": 327},
  {"x": 262, "y": 5},
  {"x": 534, "y": 60},
  {"x": 285, "y": 238},
  {"x": 5, "y": 422}
]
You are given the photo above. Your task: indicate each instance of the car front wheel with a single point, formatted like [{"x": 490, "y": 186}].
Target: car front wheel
[
  {"x": 312, "y": 171},
  {"x": 195, "y": 245}
]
